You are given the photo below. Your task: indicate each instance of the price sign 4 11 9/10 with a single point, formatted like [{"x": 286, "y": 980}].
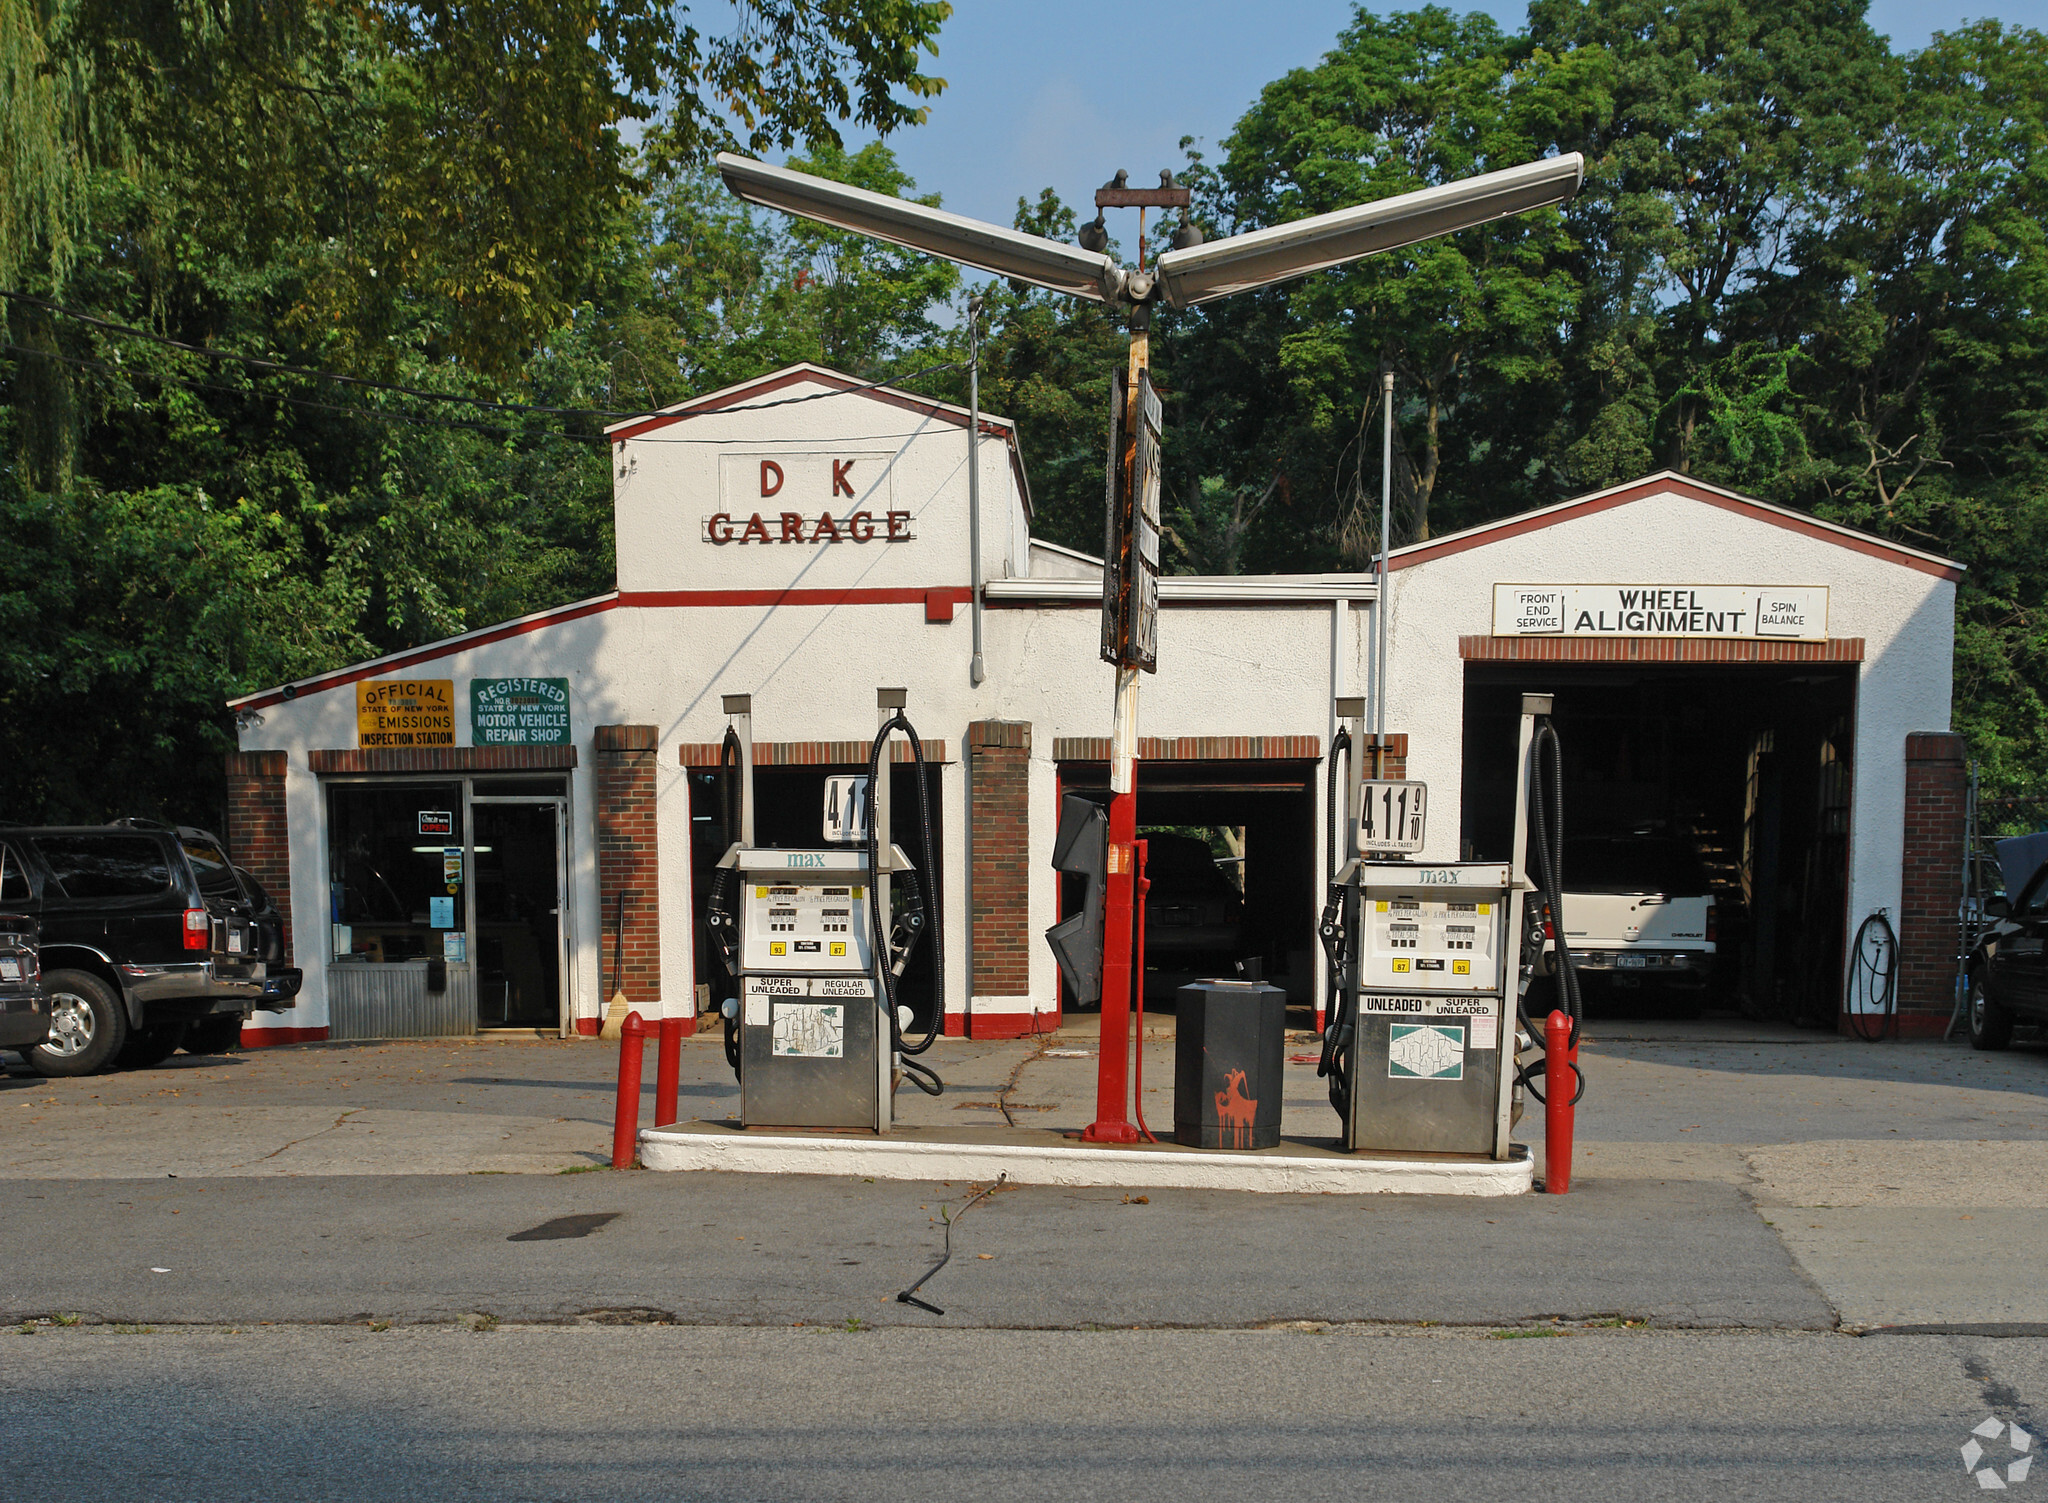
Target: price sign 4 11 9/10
[{"x": 1390, "y": 820}]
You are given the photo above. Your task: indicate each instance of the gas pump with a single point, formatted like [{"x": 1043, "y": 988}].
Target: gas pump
[
  {"x": 816, "y": 940},
  {"x": 1428, "y": 963}
]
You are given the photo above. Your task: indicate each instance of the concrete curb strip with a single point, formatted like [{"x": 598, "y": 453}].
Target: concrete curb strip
[{"x": 1136, "y": 1168}]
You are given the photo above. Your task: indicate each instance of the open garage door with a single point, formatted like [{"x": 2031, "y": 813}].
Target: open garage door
[
  {"x": 1734, "y": 780},
  {"x": 1233, "y": 866}
]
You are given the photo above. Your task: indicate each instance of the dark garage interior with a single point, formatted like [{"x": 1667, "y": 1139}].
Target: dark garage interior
[{"x": 1747, "y": 766}]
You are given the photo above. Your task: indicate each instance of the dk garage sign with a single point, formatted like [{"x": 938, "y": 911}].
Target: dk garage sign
[
  {"x": 806, "y": 498},
  {"x": 519, "y": 711}
]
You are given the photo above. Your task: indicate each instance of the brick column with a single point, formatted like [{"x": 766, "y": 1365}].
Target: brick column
[
  {"x": 1931, "y": 880},
  {"x": 999, "y": 880},
  {"x": 628, "y": 862},
  {"x": 258, "y": 837}
]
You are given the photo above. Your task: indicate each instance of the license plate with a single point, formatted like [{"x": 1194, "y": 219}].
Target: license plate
[
  {"x": 10, "y": 970},
  {"x": 1632, "y": 962},
  {"x": 234, "y": 941}
]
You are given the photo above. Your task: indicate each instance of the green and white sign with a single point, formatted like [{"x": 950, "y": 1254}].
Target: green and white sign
[
  {"x": 519, "y": 711},
  {"x": 1426, "y": 1051}
]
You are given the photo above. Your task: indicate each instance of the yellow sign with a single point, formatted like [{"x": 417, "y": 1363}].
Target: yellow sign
[{"x": 405, "y": 712}]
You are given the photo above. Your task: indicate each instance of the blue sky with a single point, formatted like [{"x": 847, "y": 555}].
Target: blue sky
[{"x": 1061, "y": 93}]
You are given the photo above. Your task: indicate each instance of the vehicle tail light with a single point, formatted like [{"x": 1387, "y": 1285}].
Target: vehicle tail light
[
  {"x": 1712, "y": 914},
  {"x": 198, "y": 929}
]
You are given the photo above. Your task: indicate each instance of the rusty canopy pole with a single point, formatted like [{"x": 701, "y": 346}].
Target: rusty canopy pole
[{"x": 1112, "y": 1123}]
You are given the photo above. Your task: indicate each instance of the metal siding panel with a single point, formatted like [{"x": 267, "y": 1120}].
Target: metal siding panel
[{"x": 392, "y": 1002}]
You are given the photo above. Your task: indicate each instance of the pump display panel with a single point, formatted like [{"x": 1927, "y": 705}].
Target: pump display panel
[
  {"x": 1432, "y": 929},
  {"x": 804, "y": 921}
]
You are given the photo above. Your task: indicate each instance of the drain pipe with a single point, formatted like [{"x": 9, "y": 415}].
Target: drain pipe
[{"x": 975, "y": 671}]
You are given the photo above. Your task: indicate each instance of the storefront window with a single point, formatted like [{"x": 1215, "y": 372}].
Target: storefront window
[{"x": 396, "y": 872}]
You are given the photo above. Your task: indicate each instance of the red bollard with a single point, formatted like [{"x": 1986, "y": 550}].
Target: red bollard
[
  {"x": 626, "y": 1120},
  {"x": 1560, "y": 1085},
  {"x": 668, "y": 1068}
]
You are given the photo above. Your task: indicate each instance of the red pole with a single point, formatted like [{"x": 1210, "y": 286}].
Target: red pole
[
  {"x": 668, "y": 1069},
  {"x": 1144, "y": 886},
  {"x": 1112, "y": 1076},
  {"x": 1560, "y": 1085},
  {"x": 626, "y": 1116}
]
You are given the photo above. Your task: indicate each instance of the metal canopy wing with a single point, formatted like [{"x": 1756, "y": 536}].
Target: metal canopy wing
[
  {"x": 1242, "y": 262},
  {"x": 987, "y": 247}
]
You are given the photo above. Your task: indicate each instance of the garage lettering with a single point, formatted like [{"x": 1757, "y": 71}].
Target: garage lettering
[{"x": 796, "y": 527}]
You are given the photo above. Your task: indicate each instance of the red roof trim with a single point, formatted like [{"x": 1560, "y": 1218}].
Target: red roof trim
[
  {"x": 722, "y": 401},
  {"x": 447, "y": 648},
  {"x": 719, "y": 401},
  {"x": 1510, "y": 527},
  {"x": 916, "y": 595}
]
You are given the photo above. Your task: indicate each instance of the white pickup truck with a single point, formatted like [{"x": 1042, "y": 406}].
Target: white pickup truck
[{"x": 1638, "y": 909}]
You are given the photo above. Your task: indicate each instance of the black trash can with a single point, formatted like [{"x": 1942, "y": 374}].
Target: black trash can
[{"x": 1228, "y": 1055}]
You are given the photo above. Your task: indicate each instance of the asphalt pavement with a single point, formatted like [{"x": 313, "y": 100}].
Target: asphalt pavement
[
  {"x": 1790, "y": 1266},
  {"x": 734, "y": 1414}
]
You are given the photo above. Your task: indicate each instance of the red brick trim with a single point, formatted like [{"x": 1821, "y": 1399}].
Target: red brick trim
[
  {"x": 1676, "y": 485},
  {"x": 444, "y": 759},
  {"x": 1002, "y": 1025},
  {"x": 259, "y": 831},
  {"x": 628, "y": 862},
  {"x": 272, "y": 1038},
  {"x": 811, "y": 753},
  {"x": 1931, "y": 878},
  {"x": 1484, "y": 649},
  {"x": 1200, "y": 748},
  {"x": 999, "y": 867}
]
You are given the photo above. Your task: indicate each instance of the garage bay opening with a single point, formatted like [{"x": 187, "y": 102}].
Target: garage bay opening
[{"x": 1704, "y": 805}]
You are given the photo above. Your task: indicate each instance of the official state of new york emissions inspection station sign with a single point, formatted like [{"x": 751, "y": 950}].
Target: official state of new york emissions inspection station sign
[
  {"x": 519, "y": 711},
  {"x": 405, "y": 712},
  {"x": 1790, "y": 613}
]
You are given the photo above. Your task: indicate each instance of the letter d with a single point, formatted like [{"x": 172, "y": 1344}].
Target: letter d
[{"x": 771, "y": 477}]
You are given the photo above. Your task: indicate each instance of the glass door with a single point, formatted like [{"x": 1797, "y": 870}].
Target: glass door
[{"x": 521, "y": 889}]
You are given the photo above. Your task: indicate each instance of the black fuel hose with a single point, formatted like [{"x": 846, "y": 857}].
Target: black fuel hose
[
  {"x": 1338, "y": 1025},
  {"x": 732, "y": 793},
  {"x": 1873, "y": 978},
  {"x": 1546, "y": 837},
  {"x": 919, "y": 1075}
]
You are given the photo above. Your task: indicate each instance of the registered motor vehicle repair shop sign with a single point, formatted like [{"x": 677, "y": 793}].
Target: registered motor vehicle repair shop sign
[
  {"x": 519, "y": 711},
  {"x": 405, "y": 712}
]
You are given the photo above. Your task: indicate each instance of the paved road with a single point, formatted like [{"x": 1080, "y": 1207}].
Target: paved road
[{"x": 743, "y": 1414}]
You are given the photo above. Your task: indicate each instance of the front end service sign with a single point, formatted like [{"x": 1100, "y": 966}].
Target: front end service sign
[{"x": 405, "y": 712}]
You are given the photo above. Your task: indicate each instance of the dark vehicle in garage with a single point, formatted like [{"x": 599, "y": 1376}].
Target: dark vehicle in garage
[{"x": 147, "y": 931}]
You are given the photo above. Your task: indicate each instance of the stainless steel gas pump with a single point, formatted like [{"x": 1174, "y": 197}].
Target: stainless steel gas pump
[
  {"x": 1426, "y": 969},
  {"x": 814, "y": 939}
]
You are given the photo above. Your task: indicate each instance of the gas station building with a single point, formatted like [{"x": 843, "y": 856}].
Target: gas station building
[{"x": 505, "y": 828}]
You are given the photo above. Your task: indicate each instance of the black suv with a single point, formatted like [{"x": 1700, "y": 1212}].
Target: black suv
[
  {"x": 24, "y": 1006},
  {"x": 150, "y": 937}
]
